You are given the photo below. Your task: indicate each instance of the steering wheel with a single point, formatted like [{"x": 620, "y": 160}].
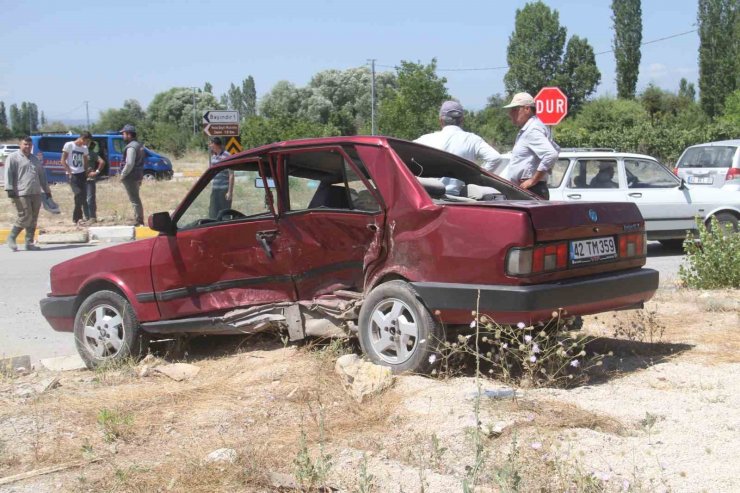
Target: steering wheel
[{"x": 230, "y": 213}]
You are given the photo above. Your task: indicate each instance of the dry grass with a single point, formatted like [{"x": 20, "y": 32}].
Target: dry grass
[{"x": 113, "y": 205}]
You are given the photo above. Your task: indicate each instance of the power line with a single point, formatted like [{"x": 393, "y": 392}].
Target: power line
[{"x": 504, "y": 67}]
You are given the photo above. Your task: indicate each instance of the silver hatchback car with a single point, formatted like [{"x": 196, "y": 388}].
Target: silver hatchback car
[{"x": 712, "y": 164}]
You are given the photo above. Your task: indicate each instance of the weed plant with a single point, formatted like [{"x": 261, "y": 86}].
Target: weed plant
[
  {"x": 114, "y": 424},
  {"x": 712, "y": 262},
  {"x": 526, "y": 356}
]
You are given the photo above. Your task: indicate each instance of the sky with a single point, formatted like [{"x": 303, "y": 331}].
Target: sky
[{"x": 59, "y": 55}]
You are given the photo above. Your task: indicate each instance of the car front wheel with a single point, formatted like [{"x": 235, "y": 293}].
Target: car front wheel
[
  {"x": 106, "y": 330},
  {"x": 727, "y": 220},
  {"x": 397, "y": 330}
]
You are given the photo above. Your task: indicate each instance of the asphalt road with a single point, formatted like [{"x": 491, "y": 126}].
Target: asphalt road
[{"x": 25, "y": 280}]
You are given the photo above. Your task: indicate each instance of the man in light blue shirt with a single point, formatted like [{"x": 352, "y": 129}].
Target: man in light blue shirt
[
  {"x": 534, "y": 153},
  {"x": 453, "y": 139}
]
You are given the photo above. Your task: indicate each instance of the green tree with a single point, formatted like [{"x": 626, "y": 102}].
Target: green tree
[
  {"x": 260, "y": 130},
  {"x": 176, "y": 106},
  {"x": 249, "y": 93},
  {"x": 731, "y": 113},
  {"x": 719, "y": 52},
  {"x": 114, "y": 119},
  {"x": 627, "y": 18},
  {"x": 535, "y": 49},
  {"x": 578, "y": 74},
  {"x": 686, "y": 90},
  {"x": 493, "y": 124},
  {"x": 208, "y": 87},
  {"x": 5, "y": 132},
  {"x": 412, "y": 109},
  {"x": 16, "y": 123},
  {"x": 54, "y": 127}
]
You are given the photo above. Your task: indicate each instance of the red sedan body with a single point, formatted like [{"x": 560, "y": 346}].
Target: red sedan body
[{"x": 315, "y": 226}]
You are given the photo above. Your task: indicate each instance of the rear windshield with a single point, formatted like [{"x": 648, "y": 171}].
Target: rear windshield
[{"x": 708, "y": 157}]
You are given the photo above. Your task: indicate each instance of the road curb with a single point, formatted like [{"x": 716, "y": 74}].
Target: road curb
[{"x": 81, "y": 236}]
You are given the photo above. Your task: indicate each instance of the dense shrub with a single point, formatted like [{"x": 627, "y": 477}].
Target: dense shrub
[{"x": 713, "y": 261}]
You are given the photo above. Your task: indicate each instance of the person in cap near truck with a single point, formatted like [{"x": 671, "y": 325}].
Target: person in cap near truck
[
  {"x": 534, "y": 153},
  {"x": 133, "y": 171},
  {"x": 93, "y": 170},
  {"x": 74, "y": 160},
  {"x": 25, "y": 180},
  {"x": 222, "y": 185},
  {"x": 453, "y": 139}
]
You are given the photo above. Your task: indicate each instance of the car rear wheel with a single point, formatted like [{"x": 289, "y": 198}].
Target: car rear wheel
[
  {"x": 725, "y": 220},
  {"x": 150, "y": 176},
  {"x": 397, "y": 330},
  {"x": 106, "y": 330},
  {"x": 672, "y": 244}
]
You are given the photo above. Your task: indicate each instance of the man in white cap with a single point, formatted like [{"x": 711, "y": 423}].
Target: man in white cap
[
  {"x": 453, "y": 139},
  {"x": 534, "y": 153}
]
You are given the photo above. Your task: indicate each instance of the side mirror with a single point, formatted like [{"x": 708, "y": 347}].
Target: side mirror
[
  {"x": 683, "y": 186},
  {"x": 162, "y": 222}
]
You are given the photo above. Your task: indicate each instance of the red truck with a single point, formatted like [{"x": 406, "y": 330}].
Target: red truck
[{"x": 373, "y": 236}]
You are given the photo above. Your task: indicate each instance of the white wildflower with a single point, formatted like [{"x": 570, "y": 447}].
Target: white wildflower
[
  {"x": 535, "y": 348},
  {"x": 575, "y": 363},
  {"x": 533, "y": 359},
  {"x": 505, "y": 345},
  {"x": 527, "y": 338},
  {"x": 432, "y": 359},
  {"x": 472, "y": 324},
  {"x": 521, "y": 325}
]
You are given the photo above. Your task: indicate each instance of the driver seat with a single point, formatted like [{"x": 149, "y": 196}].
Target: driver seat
[{"x": 330, "y": 196}]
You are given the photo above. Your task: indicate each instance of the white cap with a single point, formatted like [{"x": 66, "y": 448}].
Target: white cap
[{"x": 521, "y": 99}]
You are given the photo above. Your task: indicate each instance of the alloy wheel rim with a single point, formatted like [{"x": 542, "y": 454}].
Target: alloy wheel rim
[
  {"x": 104, "y": 331},
  {"x": 394, "y": 331}
]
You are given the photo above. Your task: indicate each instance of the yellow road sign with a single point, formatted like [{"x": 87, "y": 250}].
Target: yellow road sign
[{"x": 234, "y": 145}]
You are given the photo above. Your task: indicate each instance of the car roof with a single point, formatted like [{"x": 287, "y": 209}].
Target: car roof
[
  {"x": 732, "y": 142},
  {"x": 596, "y": 155}
]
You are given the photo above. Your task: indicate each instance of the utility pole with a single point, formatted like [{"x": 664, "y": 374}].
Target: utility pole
[
  {"x": 372, "y": 98},
  {"x": 87, "y": 114},
  {"x": 194, "y": 89}
]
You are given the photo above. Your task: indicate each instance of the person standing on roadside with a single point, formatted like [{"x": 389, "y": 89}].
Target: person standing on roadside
[
  {"x": 534, "y": 153},
  {"x": 25, "y": 180},
  {"x": 74, "y": 160},
  {"x": 95, "y": 165},
  {"x": 453, "y": 139},
  {"x": 132, "y": 172},
  {"x": 222, "y": 185}
]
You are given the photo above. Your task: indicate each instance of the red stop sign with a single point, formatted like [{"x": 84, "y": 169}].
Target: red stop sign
[{"x": 551, "y": 105}]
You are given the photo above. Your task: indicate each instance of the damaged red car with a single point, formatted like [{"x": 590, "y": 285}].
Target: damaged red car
[{"x": 383, "y": 238}]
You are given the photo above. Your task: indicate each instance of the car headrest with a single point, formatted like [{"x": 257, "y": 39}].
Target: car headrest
[{"x": 434, "y": 186}]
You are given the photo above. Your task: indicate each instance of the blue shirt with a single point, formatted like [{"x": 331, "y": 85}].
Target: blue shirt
[
  {"x": 534, "y": 150},
  {"x": 221, "y": 180}
]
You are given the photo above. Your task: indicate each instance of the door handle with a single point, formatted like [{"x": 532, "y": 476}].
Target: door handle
[
  {"x": 574, "y": 195},
  {"x": 372, "y": 227},
  {"x": 265, "y": 238},
  {"x": 636, "y": 195}
]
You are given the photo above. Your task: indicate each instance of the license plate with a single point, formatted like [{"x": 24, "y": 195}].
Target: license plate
[
  {"x": 701, "y": 180},
  {"x": 592, "y": 250}
]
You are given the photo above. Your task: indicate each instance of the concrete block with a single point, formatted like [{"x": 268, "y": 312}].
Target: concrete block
[
  {"x": 73, "y": 237},
  {"x": 10, "y": 366},
  {"x": 112, "y": 233},
  {"x": 63, "y": 363}
]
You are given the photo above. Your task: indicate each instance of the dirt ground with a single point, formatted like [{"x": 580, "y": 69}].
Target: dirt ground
[{"x": 660, "y": 415}]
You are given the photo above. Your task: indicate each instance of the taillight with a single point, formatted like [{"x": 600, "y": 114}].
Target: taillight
[
  {"x": 632, "y": 245},
  {"x": 675, "y": 171},
  {"x": 732, "y": 173},
  {"x": 542, "y": 258}
]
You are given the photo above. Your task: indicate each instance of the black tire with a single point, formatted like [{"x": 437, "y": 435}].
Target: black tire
[
  {"x": 149, "y": 176},
  {"x": 385, "y": 311},
  {"x": 113, "y": 333},
  {"x": 724, "y": 219}
]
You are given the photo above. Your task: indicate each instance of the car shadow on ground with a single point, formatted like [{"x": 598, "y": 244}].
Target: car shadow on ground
[
  {"x": 70, "y": 246},
  {"x": 656, "y": 249}
]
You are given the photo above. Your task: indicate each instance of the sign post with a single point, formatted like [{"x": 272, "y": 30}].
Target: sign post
[
  {"x": 551, "y": 105},
  {"x": 223, "y": 123}
]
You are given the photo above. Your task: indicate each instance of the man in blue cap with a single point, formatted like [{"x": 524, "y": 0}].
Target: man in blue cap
[{"x": 132, "y": 172}]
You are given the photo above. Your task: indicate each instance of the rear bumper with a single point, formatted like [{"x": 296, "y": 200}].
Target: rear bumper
[
  {"x": 512, "y": 304},
  {"x": 59, "y": 311}
]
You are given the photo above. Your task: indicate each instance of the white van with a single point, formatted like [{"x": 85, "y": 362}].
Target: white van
[{"x": 710, "y": 164}]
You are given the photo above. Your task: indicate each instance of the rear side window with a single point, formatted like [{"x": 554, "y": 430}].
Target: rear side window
[
  {"x": 53, "y": 144},
  {"x": 708, "y": 157},
  {"x": 558, "y": 172}
]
